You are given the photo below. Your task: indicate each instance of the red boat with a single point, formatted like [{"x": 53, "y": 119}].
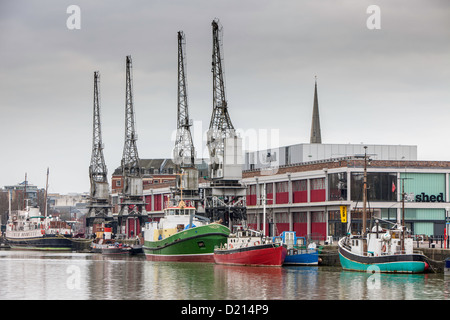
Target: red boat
[{"x": 250, "y": 248}]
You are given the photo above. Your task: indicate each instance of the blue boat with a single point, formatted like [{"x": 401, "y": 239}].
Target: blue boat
[
  {"x": 447, "y": 267},
  {"x": 298, "y": 252}
]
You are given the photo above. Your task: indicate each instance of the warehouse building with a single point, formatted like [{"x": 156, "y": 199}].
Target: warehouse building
[
  {"x": 307, "y": 198},
  {"x": 307, "y": 184}
]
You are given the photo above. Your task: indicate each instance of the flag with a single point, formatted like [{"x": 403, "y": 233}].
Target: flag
[{"x": 393, "y": 187}]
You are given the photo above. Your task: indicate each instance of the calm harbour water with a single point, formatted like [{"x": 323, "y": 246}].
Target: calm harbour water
[{"x": 50, "y": 276}]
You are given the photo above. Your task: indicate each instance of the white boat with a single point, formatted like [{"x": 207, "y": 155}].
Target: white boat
[{"x": 29, "y": 229}]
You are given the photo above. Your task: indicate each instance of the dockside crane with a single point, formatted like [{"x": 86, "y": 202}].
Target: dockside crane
[
  {"x": 184, "y": 151},
  {"x": 99, "y": 203},
  {"x": 225, "y": 198},
  {"x": 132, "y": 214}
]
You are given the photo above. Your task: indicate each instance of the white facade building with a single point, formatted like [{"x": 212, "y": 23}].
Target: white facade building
[{"x": 307, "y": 152}]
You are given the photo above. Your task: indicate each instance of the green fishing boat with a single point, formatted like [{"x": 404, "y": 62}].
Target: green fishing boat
[{"x": 183, "y": 236}]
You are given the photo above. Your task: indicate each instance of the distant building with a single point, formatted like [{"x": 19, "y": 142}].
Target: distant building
[
  {"x": 73, "y": 204},
  {"x": 33, "y": 193},
  {"x": 153, "y": 171},
  {"x": 156, "y": 174}
]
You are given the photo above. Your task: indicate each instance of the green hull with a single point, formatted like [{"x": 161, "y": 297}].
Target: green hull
[{"x": 192, "y": 245}]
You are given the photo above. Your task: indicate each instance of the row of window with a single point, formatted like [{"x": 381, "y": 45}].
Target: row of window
[
  {"x": 297, "y": 217},
  {"x": 297, "y": 185},
  {"x": 118, "y": 183},
  {"x": 381, "y": 186},
  {"x": 299, "y": 192},
  {"x": 432, "y": 222}
]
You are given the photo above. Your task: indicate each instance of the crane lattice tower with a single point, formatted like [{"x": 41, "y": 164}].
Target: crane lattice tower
[
  {"x": 225, "y": 199},
  {"x": 184, "y": 151},
  {"x": 99, "y": 204},
  {"x": 132, "y": 208}
]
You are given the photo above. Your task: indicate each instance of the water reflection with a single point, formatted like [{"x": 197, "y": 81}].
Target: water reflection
[
  {"x": 357, "y": 286},
  {"x": 239, "y": 282},
  {"x": 41, "y": 275}
]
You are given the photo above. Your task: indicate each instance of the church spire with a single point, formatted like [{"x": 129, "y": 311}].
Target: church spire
[{"x": 315, "y": 126}]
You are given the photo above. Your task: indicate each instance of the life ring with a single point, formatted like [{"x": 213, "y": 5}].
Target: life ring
[
  {"x": 383, "y": 248},
  {"x": 230, "y": 246},
  {"x": 256, "y": 243}
]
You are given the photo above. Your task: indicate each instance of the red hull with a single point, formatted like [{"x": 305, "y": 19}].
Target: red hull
[
  {"x": 181, "y": 258},
  {"x": 261, "y": 255}
]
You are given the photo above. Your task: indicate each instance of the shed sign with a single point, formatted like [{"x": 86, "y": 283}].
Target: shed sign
[{"x": 422, "y": 197}]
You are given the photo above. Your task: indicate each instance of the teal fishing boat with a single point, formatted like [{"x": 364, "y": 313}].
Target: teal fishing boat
[
  {"x": 385, "y": 253},
  {"x": 387, "y": 250}
]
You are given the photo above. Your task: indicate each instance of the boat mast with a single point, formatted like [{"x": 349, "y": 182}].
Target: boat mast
[
  {"x": 25, "y": 194},
  {"x": 264, "y": 209},
  {"x": 46, "y": 192},
  {"x": 9, "y": 202},
  {"x": 363, "y": 233},
  {"x": 403, "y": 216}
]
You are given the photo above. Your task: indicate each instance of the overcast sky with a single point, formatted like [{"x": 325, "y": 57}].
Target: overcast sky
[{"x": 375, "y": 86}]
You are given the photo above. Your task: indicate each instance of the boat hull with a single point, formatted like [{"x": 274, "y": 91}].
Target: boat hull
[
  {"x": 304, "y": 259},
  {"x": 259, "y": 255},
  {"x": 397, "y": 263},
  {"x": 115, "y": 251},
  {"x": 191, "y": 245},
  {"x": 43, "y": 243}
]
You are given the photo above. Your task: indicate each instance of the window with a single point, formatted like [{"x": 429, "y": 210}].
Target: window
[
  {"x": 300, "y": 217},
  {"x": 299, "y": 185},
  {"x": 282, "y": 186},
  {"x": 379, "y": 186},
  {"x": 201, "y": 244},
  {"x": 318, "y": 217},
  {"x": 282, "y": 217},
  {"x": 318, "y": 184},
  {"x": 337, "y": 186}
]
